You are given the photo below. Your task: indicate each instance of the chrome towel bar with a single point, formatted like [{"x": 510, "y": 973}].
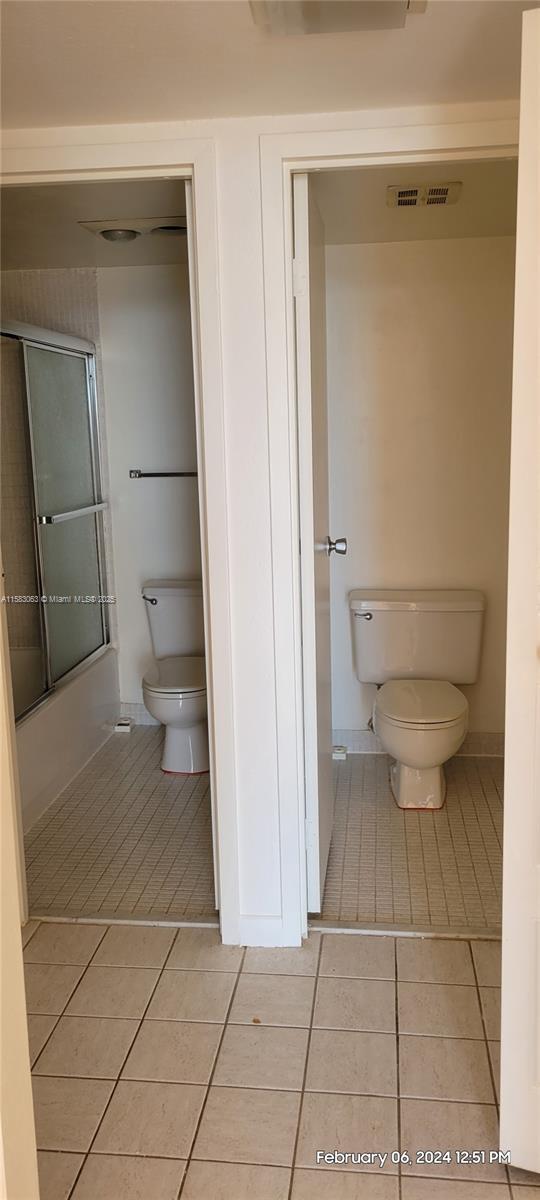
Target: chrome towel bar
[
  {"x": 57, "y": 518},
  {"x": 136, "y": 473}
]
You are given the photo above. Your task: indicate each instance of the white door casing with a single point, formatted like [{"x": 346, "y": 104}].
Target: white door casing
[
  {"x": 520, "y": 1027},
  {"x": 310, "y": 317},
  {"x": 199, "y": 424}
]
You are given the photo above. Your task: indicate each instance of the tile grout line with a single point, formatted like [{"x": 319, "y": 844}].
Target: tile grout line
[
  {"x": 304, "y": 1075},
  {"x": 212, "y": 1073}
]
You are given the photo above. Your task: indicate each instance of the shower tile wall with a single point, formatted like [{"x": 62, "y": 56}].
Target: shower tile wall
[
  {"x": 66, "y": 301},
  {"x": 16, "y": 529}
]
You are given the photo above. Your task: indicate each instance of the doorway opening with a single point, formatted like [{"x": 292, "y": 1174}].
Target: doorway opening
[
  {"x": 104, "y": 551},
  {"x": 403, "y": 288}
]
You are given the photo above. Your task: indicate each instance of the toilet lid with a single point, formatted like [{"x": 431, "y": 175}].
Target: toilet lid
[
  {"x": 420, "y": 701},
  {"x": 177, "y": 674}
]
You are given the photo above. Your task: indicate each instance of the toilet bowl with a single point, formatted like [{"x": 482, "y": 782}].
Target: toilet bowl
[
  {"x": 420, "y": 723},
  {"x": 174, "y": 692}
]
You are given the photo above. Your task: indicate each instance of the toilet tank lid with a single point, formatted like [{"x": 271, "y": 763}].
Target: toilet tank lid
[
  {"x": 400, "y": 600},
  {"x": 189, "y": 587}
]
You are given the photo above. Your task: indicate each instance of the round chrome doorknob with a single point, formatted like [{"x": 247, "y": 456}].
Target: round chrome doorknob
[{"x": 339, "y": 546}]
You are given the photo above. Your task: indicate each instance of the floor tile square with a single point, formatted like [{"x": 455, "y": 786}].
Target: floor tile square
[
  {"x": 28, "y": 931},
  {"x": 432, "y": 960},
  {"x": 490, "y": 999},
  {"x": 134, "y": 946},
  {"x": 442, "y": 1125},
  {"x": 118, "y": 1177},
  {"x": 57, "y": 1173},
  {"x": 273, "y": 1000},
  {"x": 487, "y": 960},
  {"x": 344, "y": 1061},
  {"x": 173, "y": 1052},
  {"x": 523, "y": 1178},
  {"x": 68, "y": 1111},
  {"x": 262, "y": 1056},
  {"x": 113, "y": 992},
  {"x": 250, "y": 1126},
  {"x": 363, "y": 1004},
  {"x": 358, "y": 956},
  {"x": 89, "y": 1047},
  {"x": 450, "y": 1189},
  {"x": 152, "y": 1119},
  {"x": 39, "y": 1028},
  {"x": 64, "y": 942},
  {"x": 202, "y": 950},
  {"x": 235, "y": 1181},
  {"x": 301, "y": 960},
  {"x": 192, "y": 996},
  {"x": 439, "y": 1010},
  {"x": 445, "y": 1069},
  {"x": 338, "y": 1185},
  {"x": 48, "y": 987},
  {"x": 341, "y": 1123}
]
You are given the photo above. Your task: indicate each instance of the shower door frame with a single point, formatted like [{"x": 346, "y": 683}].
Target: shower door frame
[
  {"x": 36, "y": 336},
  {"x": 192, "y": 161}
]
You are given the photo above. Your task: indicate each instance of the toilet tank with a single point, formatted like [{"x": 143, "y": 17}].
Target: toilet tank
[
  {"x": 416, "y": 634},
  {"x": 175, "y": 613}
]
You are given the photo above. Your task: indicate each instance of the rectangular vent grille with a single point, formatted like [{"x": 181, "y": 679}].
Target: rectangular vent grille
[{"x": 423, "y": 195}]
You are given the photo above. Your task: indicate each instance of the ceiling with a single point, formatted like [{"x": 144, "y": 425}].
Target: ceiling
[
  {"x": 353, "y": 203},
  {"x": 39, "y": 226},
  {"x": 71, "y": 62}
]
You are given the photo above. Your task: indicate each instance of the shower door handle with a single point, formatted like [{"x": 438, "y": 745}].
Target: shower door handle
[{"x": 339, "y": 546}]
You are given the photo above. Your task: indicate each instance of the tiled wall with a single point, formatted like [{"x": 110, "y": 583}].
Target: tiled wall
[
  {"x": 16, "y": 530},
  {"x": 65, "y": 301}
]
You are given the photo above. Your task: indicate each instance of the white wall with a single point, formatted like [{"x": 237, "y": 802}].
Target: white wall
[
  {"x": 259, "y": 785},
  {"x": 419, "y": 388},
  {"x": 148, "y": 392}
]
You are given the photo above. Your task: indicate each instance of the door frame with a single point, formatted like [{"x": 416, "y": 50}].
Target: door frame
[
  {"x": 283, "y": 155},
  {"x": 193, "y": 161}
]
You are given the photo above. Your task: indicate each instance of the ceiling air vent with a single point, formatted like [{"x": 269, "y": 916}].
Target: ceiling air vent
[{"x": 423, "y": 195}]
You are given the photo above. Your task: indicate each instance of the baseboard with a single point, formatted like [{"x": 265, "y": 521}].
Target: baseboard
[{"x": 363, "y": 741}]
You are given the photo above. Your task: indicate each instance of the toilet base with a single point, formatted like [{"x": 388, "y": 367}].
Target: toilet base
[
  {"x": 185, "y": 751},
  {"x": 417, "y": 788}
]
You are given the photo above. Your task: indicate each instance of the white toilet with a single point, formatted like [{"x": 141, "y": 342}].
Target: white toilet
[
  {"x": 417, "y": 645},
  {"x": 174, "y": 689}
]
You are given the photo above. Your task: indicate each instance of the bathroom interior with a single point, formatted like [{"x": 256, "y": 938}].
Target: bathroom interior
[
  {"x": 419, "y": 306},
  {"x": 101, "y": 539},
  {"x": 419, "y": 282}
]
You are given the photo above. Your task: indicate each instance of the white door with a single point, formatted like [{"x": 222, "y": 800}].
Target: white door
[
  {"x": 310, "y": 316},
  {"x": 520, "y": 1032}
]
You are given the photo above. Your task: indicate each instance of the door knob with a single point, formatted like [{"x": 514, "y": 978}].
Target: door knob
[{"x": 340, "y": 545}]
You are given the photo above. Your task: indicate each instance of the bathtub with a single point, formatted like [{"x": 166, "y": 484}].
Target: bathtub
[
  {"x": 56, "y": 739},
  {"x": 27, "y": 676}
]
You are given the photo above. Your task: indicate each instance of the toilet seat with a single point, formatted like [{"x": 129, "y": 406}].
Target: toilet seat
[
  {"x": 176, "y": 675},
  {"x": 421, "y": 703}
]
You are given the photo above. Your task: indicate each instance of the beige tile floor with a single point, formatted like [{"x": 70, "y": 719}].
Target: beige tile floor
[
  {"x": 427, "y": 870},
  {"x": 166, "y": 1065},
  {"x": 124, "y": 839}
]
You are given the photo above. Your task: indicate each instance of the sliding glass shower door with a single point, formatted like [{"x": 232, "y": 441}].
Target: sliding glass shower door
[
  {"x": 64, "y": 507},
  {"x": 68, "y": 503}
]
